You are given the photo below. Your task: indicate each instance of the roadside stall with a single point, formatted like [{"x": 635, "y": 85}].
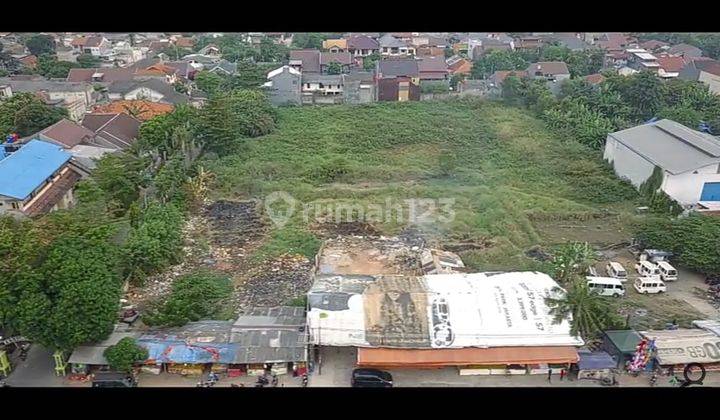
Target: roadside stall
[
  {"x": 595, "y": 365},
  {"x": 621, "y": 345},
  {"x": 677, "y": 348},
  {"x": 87, "y": 359}
]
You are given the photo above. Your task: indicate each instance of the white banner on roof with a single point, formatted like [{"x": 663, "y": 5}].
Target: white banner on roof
[{"x": 445, "y": 311}]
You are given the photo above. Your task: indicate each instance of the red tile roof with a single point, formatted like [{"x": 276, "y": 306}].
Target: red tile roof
[
  {"x": 344, "y": 58},
  {"x": 185, "y": 42},
  {"x": 595, "y": 79},
  {"x": 671, "y": 64},
  {"x": 142, "y": 110},
  {"x": 499, "y": 76},
  {"x": 29, "y": 61}
]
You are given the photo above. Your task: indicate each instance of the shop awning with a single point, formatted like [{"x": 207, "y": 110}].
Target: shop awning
[
  {"x": 596, "y": 361},
  {"x": 385, "y": 357}
]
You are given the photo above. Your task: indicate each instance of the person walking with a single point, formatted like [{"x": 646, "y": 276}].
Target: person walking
[
  {"x": 562, "y": 374},
  {"x": 549, "y": 375}
]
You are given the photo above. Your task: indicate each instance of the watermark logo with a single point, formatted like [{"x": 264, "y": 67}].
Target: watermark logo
[{"x": 281, "y": 206}]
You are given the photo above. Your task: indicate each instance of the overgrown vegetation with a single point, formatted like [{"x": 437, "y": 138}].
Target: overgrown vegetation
[
  {"x": 201, "y": 295},
  {"x": 695, "y": 240},
  {"x": 502, "y": 166},
  {"x": 26, "y": 114}
]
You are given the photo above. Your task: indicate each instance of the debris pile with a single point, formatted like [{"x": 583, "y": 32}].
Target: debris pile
[
  {"x": 234, "y": 223},
  {"x": 275, "y": 283}
]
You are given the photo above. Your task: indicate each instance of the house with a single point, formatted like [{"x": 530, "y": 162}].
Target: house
[
  {"x": 499, "y": 76},
  {"x": 280, "y": 38},
  {"x": 113, "y": 131},
  {"x": 98, "y": 46},
  {"x": 307, "y": 60},
  {"x": 358, "y": 87},
  {"x": 345, "y": 60},
  {"x": 210, "y": 50},
  {"x": 654, "y": 45},
  {"x": 685, "y": 50},
  {"x": 154, "y": 90},
  {"x": 572, "y": 41},
  {"x": 223, "y": 67},
  {"x": 669, "y": 66},
  {"x": 554, "y": 71},
  {"x": 641, "y": 60},
  {"x": 706, "y": 71},
  {"x": 184, "y": 42},
  {"x": 205, "y": 60},
  {"x": 481, "y": 43},
  {"x": 335, "y": 45},
  {"x": 362, "y": 45},
  {"x": 459, "y": 65},
  {"x": 475, "y": 87},
  {"x": 140, "y": 109},
  {"x": 36, "y": 179},
  {"x": 432, "y": 68},
  {"x": 183, "y": 69},
  {"x": 125, "y": 54},
  {"x": 528, "y": 43},
  {"x": 594, "y": 79},
  {"x": 159, "y": 70},
  {"x": 75, "y": 97},
  {"x": 403, "y": 36},
  {"x": 322, "y": 89},
  {"x": 283, "y": 86},
  {"x": 393, "y": 47},
  {"x": 687, "y": 161},
  {"x": 101, "y": 75},
  {"x": 428, "y": 51},
  {"x": 29, "y": 61},
  {"x": 398, "y": 79},
  {"x": 76, "y": 140}
]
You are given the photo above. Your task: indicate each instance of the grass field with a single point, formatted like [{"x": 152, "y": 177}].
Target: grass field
[{"x": 514, "y": 183}]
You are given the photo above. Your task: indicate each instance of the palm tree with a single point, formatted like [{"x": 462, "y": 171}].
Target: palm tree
[
  {"x": 572, "y": 259},
  {"x": 590, "y": 313}
]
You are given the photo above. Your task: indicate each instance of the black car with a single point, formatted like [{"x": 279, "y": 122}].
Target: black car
[
  {"x": 371, "y": 378},
  {"x": 113, "y": 380}
]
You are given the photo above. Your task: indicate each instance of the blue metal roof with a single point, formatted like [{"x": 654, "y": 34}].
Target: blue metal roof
[{"x": 25, "y": 170}]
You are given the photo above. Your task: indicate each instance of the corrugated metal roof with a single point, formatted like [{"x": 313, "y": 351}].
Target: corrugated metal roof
[
  {"x": 684, "y": 346},
  {"x": 671, "y": 145},
  {"x": 93, "y": 354},
  {"x": 709, "y": 325},
  {"x": 25, "y": 170},
  {"x": 624, "y": 340}
]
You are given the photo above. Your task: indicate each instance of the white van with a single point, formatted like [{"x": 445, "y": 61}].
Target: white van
[
  {"x": 667, "y": 271},
  {"x": 647, "y": 285},
  {"x": 616, "y": 270},
  {"x": 647, "y": 269},
  {"x": 606, "y": 286}
]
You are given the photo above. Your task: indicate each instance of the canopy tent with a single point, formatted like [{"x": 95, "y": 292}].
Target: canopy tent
[
  {"x": 470, "y": 356},
  {"x": 595, "y": 361}
]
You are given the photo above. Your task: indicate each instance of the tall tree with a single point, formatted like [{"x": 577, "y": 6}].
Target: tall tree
[
  {"x": 50, "y": 67},
  {"x": 88, "y": 61},
  {"x": 40, "y": 44},
  {"x": 25, "y": 114}
]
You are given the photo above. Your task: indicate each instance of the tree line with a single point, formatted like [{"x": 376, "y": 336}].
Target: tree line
[{"x": 62, "y": 275}]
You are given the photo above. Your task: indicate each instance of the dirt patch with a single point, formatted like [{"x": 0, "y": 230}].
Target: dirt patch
[
  {"x": 601, "y": 232},
  {"x": 330, "y": 230},
  {"x": 368, "y": 255}
]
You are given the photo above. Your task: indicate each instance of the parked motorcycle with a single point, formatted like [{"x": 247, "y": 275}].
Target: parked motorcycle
[{"x": 304, "y": 381}]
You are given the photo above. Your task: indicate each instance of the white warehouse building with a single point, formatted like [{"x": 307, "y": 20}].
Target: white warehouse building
[{"x": 689, "y": 159}]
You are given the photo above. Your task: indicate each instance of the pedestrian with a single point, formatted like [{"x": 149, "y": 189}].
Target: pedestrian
[
  {"x": 562, "y": 374},
  {"x": 550, "y": 375}
]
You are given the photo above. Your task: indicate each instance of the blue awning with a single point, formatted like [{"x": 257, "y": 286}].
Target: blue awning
[{"x": 596, "y": 361}]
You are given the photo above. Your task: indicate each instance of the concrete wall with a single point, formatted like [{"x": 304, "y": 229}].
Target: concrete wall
[
  {"x": 687, "y": 187},
  {"x": 627, "y": 164}
]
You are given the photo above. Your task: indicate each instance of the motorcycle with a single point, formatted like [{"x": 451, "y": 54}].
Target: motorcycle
[
  {"x": 653, "y": 380},
  {"x": 304, "y": 381},
  {"x": 202, "y": 384},
  {"x": 261, "y": 382}
]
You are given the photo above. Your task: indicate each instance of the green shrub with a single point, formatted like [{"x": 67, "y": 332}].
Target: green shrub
[
  {"x": 196, "y": 296},
  {"x": 289, "y": 241},
  {"x": 123, "y": 355}
]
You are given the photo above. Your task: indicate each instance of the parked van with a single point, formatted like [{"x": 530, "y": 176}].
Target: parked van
[
  {"x": 616, "y": 270},
  {"x": 647, "y": 269},
  {"x": 606, "y": 286},
  {"x": 667, "y": 271},
  {"x": 647, "y": 285}
]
